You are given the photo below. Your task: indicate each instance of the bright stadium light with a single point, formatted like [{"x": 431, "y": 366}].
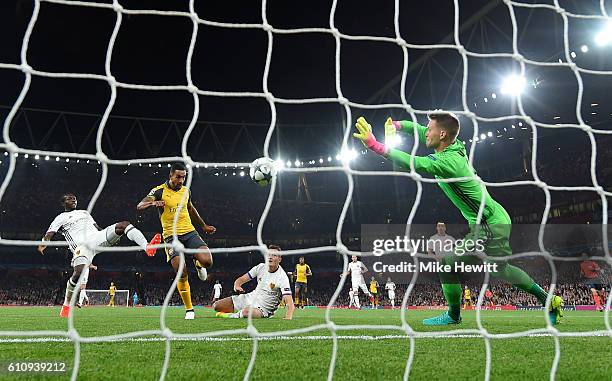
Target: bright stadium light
[
  {"x": 329, "y": 159},
  {"x": 321, "y": 160},
  {"x": 26, "y": 155},
  {"x": 493, "y": 95},
  {"x": 297, "y": 163},
  {"x": 489, "y": 134},
  {"x": 57, "y": 159},
  {"x": 584, "y": 48},
  {"x": 279, "y": 164},
  {"x": 348, "y": 155},
  {"x": 393, "y": 141},
  {"x": 241, "y": 173},
  {"x": 605, "y": 36},
  {"x": 338, "y": 157},
  {"x": 513, "y": 85},
  {"x": 37, "y": 157},
  {"x": 573, "y": 54}
]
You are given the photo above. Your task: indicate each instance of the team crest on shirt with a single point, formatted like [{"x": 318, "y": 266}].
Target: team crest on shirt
[{"x": 272, "y": 285}]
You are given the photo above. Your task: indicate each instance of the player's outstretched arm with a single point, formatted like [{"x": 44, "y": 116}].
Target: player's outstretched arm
[
  {"x": 48, "y": 237},
  {"x": 288, "y": 299},
  {"x": 193, "y": 213},
  {"x": 148, "y": 202},
  {"x": 240, "y": 281},
  {"x": 308, "y": 271}
]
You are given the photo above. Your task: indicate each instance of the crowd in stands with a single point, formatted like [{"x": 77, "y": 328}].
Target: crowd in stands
[{"x": 18, "y": 288}]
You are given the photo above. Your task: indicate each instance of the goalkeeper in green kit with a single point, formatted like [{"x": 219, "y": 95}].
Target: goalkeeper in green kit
[{"x": 450, "y": 160}]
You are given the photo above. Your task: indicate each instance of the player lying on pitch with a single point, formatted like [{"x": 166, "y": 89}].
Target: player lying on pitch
[
  {"x": 272, "y": 287},
  {"x": 449, "y": 161},
  {"x": 80, "y": 230}
]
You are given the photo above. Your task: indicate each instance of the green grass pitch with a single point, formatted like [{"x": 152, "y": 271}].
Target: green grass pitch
[{"x": 376, "y": 355}]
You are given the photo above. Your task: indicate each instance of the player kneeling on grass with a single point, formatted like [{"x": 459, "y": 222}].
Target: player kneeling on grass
[{"x": 272, "y": 287}]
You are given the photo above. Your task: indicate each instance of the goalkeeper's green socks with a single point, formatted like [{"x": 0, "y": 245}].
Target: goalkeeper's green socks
[
  {"x": 452, "y": 294},
  {"x": 521, "y": 280}
]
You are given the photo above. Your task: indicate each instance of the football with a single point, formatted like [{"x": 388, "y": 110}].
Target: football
[{"x": 262, "y": 170}]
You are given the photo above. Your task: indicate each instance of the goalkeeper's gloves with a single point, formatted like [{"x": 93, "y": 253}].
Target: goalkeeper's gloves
[
  {"x": 367, "y": 137},
  {"x": 391, "y": 129}
]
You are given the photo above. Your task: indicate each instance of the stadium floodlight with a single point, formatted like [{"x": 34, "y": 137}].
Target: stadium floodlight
[
  {"x": 16, "y": 154},
  {"x": 321, "y": 160},
  {"x": 338, "y": 157},
  {"x": 5, "y": 153},
  {"x": 297, "y": 163},
  {"x": 37, "y": 157},
  {"x": 279, "y": 164},
  {"x": 489, "y": 134},
  {"x": 241, "y": 173},
  {"x": 573, "y": 54},
  {"x": 67, "y": 160},
  {"x": 393, "y": 141},
  {"x": 605, "y": 36},
  {"x": 347, "y": 155},
  {"x": 486, "y": 100},
  {"x": 493, "y": 95},
  {"x": 483, "y": 136},
  {"x": 26, "y": 155},
  {"x": 584, "y": 48},
  {"x": 329, "y": 159},
  {"x": 513, "y": 85},
  {"x": 57, "y": 159}
]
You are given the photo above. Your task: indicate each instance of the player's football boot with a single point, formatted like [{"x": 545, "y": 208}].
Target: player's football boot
[
  {"x": 223, "y": 314},
  {"x": 189, "y": 315},
  {"x": 442, "y": 319},
  {"x": 555, "y": 312},
  {"x": 202, "y": 273},
  {"x": 79, "y": 305},
  {"x": 65, "y": 311},
  {"x": 156, "y": 240}
]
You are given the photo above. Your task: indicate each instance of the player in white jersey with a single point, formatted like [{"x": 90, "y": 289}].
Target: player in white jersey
[
  {"x": 352, "y": 299},
  {"x": 272, "y": 287},
  {"x": 217, "y": 291},
  {"x": 357, "y": 269},
  {"x": 390, "y": 287},
  {"x": 83, "y": 234},
  {"x": 83, "y": 294}
]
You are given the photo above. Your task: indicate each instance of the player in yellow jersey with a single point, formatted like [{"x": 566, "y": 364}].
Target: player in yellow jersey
[
  {"x": 171, "y": 198},
  {"x": 467, "y": 298},
  {"x": 301, "y": 274},
  {"x": 374, "y": 292},
  {"x": 111, "y": 293}
]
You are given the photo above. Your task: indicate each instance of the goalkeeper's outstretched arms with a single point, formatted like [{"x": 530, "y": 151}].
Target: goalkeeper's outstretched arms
[{"x": 437, "y": 165}]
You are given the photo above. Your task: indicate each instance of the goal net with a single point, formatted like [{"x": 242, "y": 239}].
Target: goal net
[
  {"x": 102, "y": 298},
  {"x": 346, "y": 170}
]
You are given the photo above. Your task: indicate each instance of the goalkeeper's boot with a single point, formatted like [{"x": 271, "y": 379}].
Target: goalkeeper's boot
[
  {"x": 65, "y": 311},
  {"x": 202, "y": 273},
  {"x": 156, "y": 240},
  {"x": 555, "y": 312},
  {"x": 189, "y": 314},
  {"x": 442, "y": 319}
]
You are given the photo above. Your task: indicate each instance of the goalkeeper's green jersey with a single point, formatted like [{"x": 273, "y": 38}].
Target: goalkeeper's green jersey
[{"x": 452, "y": 162}]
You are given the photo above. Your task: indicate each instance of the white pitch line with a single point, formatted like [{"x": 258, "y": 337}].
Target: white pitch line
[{"x": 277, "y": 338}]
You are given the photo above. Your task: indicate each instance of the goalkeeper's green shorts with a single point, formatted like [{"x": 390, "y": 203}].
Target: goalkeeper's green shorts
[{"x": 491, "y": 240}]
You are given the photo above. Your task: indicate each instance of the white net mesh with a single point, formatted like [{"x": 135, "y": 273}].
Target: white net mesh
[{"x": 164, "y": 332}]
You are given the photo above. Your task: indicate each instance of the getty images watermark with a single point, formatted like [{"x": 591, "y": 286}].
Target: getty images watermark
[{"x": 393, "y": 252}]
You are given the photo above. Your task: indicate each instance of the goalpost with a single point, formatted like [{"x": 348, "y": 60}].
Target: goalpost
[
  {"x": 345, "y": 169},
  {"x": 101, "y": 297}
]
